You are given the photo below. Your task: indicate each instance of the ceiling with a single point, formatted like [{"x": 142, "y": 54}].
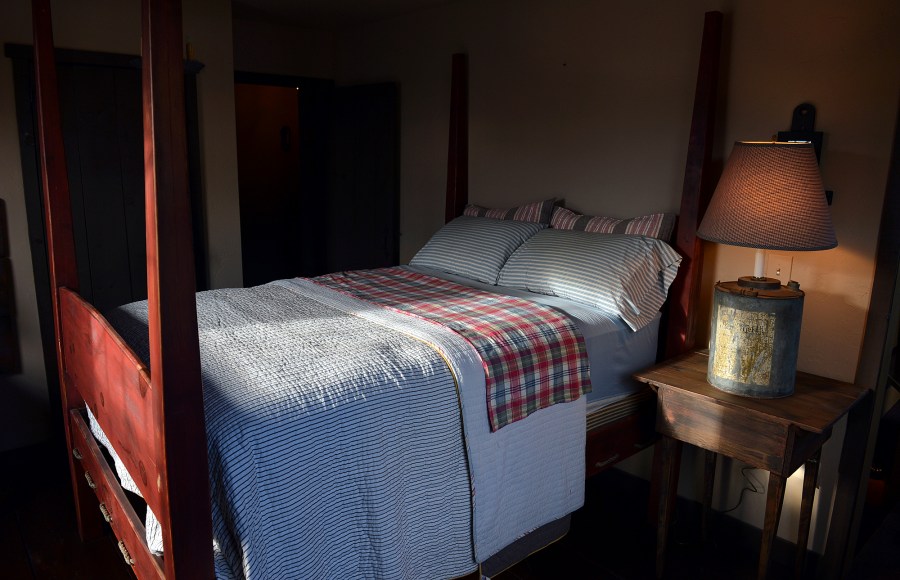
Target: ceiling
[{"x": 327, "y": 14}]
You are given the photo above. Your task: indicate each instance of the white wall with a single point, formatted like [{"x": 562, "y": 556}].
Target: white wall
[
  {"x": 568, "y": 99},
  {"x": 112, "y": 26},
  {"x": 207, "y": 26},
  {"x": 592, "y": 101}
]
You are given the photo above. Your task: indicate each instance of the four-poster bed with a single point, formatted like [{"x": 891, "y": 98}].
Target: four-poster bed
[{"x": 155, "y": 420}]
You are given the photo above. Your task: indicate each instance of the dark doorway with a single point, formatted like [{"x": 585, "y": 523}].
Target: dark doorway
[
  {"x": 318, "y": 176},
  {"x": 268, "y": 126},
  {"x": 365, "y": 198}
]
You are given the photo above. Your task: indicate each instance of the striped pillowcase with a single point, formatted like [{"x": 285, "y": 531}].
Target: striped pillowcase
[
  {"x": 537, "y": 212},
  {"x": 655, "y": 225},
  {"x": 474, "y": 247},
  {"x": 624, "y": 274}
]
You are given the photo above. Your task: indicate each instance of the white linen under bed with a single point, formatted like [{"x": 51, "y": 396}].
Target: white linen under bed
[{"x": 411, "y": 485}]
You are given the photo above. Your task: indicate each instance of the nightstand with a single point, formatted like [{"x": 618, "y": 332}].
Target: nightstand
[{"x": 778, "y": 435}]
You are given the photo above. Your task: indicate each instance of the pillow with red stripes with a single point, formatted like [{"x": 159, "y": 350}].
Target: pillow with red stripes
[
  {"x": 655, "y": 225},
  {"x": 537, "y": 212}
]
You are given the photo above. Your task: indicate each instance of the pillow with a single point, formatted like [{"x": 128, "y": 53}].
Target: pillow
[
  {"x": 623, "y": 274},
  {"x": 538, "y": 212},
  {"x": 474, "y": 247},
  {"x": 655, "y": 225}
]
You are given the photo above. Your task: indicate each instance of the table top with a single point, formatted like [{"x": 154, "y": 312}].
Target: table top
[{"x": 817, "y": 402}]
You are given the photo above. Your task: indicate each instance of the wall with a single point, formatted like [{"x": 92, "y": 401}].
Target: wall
[
  {"x": 277, "y": 48},
  {"x": 591, "y": 101},
  {"x": 208, "y": 27},
  {"x": 567, "y": 100},
  {"x": 113, "y": 26}
]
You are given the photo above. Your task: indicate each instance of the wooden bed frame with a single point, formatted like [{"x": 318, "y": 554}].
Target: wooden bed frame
[{"x": 156, "y": 421}]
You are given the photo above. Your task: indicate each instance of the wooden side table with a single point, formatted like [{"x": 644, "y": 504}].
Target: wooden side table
[{"x": 778, "y": 435}]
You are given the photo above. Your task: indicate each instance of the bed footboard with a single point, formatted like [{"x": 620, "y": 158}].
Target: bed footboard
[{"x": 115, "y": 385}]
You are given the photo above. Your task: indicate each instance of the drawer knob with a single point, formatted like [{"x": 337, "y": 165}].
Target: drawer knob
[
  {"x": 90, "y": 480},
  {"x": 77, "y": 454}
]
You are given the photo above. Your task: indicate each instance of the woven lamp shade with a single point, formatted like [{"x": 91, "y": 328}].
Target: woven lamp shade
[{"x": 770, "y": 196}]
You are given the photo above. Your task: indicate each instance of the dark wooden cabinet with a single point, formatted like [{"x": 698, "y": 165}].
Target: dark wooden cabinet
[
  {"x": 102, "y": 125},
  {"x": 100, "y": 108}
]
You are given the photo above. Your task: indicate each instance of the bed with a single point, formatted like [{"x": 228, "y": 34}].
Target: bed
[{"x": 154, "y": 422}]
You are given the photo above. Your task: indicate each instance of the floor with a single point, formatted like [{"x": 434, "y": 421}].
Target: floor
[
  {"x": 609, "y": 536},
  {"x": 38, "y": 536},
  {"x": 610, "y": 539}
]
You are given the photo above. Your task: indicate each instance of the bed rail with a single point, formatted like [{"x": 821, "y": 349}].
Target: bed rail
[
  {"x": 114, "y": 505},
  {"x": 458, "y": 148},
  {"x": 684, "y": 295}
]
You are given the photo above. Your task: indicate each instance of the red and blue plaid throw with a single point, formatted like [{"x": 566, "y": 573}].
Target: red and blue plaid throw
[{"x": 533, "y": 356}]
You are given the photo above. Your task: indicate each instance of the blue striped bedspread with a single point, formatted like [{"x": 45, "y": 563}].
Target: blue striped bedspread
[{"x": 336, "y": 446}]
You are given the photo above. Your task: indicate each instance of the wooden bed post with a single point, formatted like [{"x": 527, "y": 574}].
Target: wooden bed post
[
  {"x": 684, "y": 294},
  {"x": 174, "y": 347},
  {"x": 458, "y": 151},
  {"x": 60, "y": 240},
  {"x": 685, "y": 291}
]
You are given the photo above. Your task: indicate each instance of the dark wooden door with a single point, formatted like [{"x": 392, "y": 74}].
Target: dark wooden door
[
  {"x": 268, "y": 128},
  {"x": 100, "y": 106},
  {"x": 100, "y": 109},
  {"x": 364, "y": 178}
]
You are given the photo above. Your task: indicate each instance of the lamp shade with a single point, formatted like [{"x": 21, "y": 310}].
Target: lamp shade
[{"x": 770, "y": 196}]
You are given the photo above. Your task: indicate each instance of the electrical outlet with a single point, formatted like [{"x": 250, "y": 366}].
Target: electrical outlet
[{"x": 779, "y": 266}]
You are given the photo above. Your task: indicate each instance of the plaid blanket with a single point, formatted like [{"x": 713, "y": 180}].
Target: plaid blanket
[{"x": 533, "y": 356}]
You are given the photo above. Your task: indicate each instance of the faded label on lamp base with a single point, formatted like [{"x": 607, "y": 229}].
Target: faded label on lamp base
[{"x": 745, "y": 343}]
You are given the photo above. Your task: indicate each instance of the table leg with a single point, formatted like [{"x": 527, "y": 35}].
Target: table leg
[
  {"x": 709, "y": 480},
  {"x": 846, "y": 512},
  {"x": 810, "y": 475},
  {"x": 671, "y": 464},
  {"x": 774, "y": 500}
]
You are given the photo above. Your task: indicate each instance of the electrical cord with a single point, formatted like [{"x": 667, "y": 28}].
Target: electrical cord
[{"x": 751, "y": 484}]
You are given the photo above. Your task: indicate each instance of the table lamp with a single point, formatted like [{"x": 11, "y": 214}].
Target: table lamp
[{"x": 770, "y": 197}]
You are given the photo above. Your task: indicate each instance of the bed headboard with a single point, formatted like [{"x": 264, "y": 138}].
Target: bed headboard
[{"x": 680, "y": 314}]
